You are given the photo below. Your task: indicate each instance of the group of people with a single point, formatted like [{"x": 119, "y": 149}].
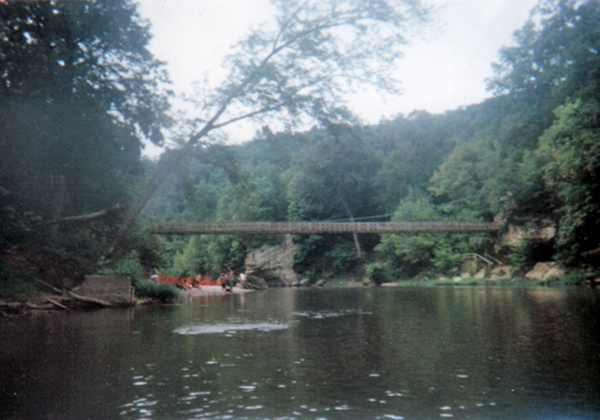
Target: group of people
[{"x": 226, "y": 280}]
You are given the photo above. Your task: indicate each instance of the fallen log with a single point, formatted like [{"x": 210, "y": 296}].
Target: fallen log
[
  {"x": 9, "y": 305},
  {"x": 91, "y": 300},
  {"x": 57, "y": 304},
  {"x": 37, "y": 306},
  {"x": 49, "y": 285},
  {"x": 50, "y": 303}
]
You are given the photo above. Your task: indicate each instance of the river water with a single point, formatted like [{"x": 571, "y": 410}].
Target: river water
[{"x": 373, "y": 353}]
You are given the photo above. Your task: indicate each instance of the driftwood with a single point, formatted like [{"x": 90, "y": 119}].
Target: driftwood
[
  {"x": 21, "y": 305},
  {"x": 30, "y": 305},
  {"x": 49, "y": 285},
  {"x": 84, "y": 217},
  {"x": 56, "y": 303},
  {"x": 91, "y": 300},
  {"x": 69, "y": 301}
]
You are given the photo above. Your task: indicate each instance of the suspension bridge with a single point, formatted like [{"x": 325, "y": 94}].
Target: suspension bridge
[{"x": 274, "y": 228}]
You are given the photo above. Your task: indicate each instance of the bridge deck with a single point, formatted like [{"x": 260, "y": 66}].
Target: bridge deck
[{"x": 262, "y": 228}]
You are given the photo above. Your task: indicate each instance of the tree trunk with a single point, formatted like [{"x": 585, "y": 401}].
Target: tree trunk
[
  {"x": 59, "y": 203},
  {"x": 354, "y": 234},
  {"x": 161, "y": 174}
]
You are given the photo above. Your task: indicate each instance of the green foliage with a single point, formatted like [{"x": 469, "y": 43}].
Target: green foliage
[
  {"x": 14, "y": 284},
  {"x": 128, "y": 265},
  {"x": 555, "y": 59},
  {"x": 194, "y": 259},
  {"x": 485, "y": 170},
  {"x": 342, "y": 256},
  {"x": 411, "y": 254},
  {"x": 510, "y": 156},
  {"x": 333, "y": 177},
  {"x": 256, "y": 198},
  {"x": 309, "y": 248},
  {"x": 186, "y": 257},
  {"x": 519, "y": 256},
  {"x": 570, "y": 156},
  {"x": 52, "y": 50},
  {"x": 161, "y": 291},
  {"x": 377, "y": 273},
  {"x": 227, "y": 252},
  {"x": 410, "y": 149},
  {"x": 78, "y": 92}
]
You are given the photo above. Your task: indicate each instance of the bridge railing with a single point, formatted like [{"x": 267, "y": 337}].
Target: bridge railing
[{"x": 262, "y": 228}]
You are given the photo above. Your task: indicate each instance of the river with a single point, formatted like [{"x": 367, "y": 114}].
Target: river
[{"x": 372, "y": 353}]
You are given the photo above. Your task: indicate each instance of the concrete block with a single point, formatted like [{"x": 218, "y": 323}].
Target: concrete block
[{"x": 114, "y": 289}]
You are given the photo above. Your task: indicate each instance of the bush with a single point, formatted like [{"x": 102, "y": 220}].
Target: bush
[
  {"x": 16, "y": 284},
  {"x": 164, "y": 292},
  {"x": 343, "y": 256},
  {"x": 129, "y": 265},
  {"x": 377, "y": 274}
]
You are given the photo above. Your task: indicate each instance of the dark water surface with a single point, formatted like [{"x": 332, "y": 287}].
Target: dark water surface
[{"x": 388, "y": 353}]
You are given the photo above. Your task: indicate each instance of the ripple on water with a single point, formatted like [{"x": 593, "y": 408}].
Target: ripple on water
[
  {"x": 222, "y": 328},
  {"x": 329, "y": 314}
]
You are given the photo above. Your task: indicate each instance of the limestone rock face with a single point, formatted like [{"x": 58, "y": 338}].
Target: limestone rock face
[
  {"x": 543, "y": 270},
  {"x": 540, "y": 230},
  {"x": 274, "y": 263}
]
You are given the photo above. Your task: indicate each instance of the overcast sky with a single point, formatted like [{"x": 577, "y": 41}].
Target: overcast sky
[{"x": 442, "y": 70}]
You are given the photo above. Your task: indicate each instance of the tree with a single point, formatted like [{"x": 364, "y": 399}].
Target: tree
[
  {"x": 92, "y": 50},
  {"x": 297, "y": 72},
  {"x": 555, "y": 68},
  {"x": 78, "y": 91},
  {"x": 556, "y": 54},
  {"x": 333, "y": 179},
  {"x": 429, "y": 253},
  {"x": 412, "y": 147},
  {"x": 570, "y": 158}
]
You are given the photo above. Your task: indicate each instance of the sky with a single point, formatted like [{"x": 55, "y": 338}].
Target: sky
[{"x": 444, "y": 66}]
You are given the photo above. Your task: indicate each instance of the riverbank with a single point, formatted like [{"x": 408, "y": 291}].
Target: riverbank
[
  {"x": 561, "y": 281},
  {"x": 211, "y": 291},
  {"x": 52, "y": 302}
]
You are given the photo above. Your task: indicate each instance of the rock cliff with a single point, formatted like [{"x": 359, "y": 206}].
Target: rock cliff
[
  {"x": 532, "y": 230},
  {"x": 274, "y": 263}
]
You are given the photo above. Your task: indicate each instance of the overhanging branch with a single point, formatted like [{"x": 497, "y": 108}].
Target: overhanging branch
[{"x": 84, "y": 217}]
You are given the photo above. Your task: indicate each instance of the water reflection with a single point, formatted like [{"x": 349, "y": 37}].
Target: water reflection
[{"x": 479, "y": 353}]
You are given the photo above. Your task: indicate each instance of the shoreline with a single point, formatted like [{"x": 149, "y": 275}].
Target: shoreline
[{"x": 211, "y": 291}]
